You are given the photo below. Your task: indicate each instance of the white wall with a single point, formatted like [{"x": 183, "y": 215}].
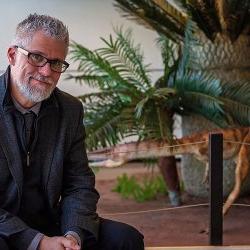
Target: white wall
[{"x": 87, "y": 20}]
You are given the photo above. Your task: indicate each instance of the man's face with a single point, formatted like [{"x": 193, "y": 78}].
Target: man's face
[{"x": 32, "y": 83}]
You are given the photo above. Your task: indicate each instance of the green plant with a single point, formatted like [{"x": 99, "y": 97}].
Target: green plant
[
  {"x": 126, "y": 185},
  {"x": 127, "y": 102},
  {"x": 147, "y": 189}
]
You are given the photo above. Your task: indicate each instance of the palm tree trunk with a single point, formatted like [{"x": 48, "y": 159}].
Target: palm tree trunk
[{"x": 229, "y": 62}]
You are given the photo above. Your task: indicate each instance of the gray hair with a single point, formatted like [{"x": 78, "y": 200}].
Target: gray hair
[{"x": 50, "y": 26}]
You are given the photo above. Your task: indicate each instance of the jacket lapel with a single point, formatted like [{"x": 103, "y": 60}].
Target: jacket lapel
[
  {"x": 8, "y": 139},
  {"x": 48, "y": 126},
  {"x": 9, "y": 144}
]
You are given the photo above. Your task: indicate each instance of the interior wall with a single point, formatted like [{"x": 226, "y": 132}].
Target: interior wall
[{"x": 87, "y": 20}]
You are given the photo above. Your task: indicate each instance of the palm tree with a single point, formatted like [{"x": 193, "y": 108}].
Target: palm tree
[
  {"x": 127, "y": 103},
  {"x": 219, "y": 45},
  {"x": 221, "y": 34}
]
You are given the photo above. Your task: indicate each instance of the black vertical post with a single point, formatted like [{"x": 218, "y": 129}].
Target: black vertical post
[{"x": 216, "y": 189}]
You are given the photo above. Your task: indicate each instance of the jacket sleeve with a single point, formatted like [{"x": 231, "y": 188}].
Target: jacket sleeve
[
  {"x": 10, "y": 224},
  {"x": 15, "y": 230},
  {"x": 79, "y": 197}
]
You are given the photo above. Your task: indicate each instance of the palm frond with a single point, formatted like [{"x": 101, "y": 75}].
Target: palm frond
[
  {"x": 91, "y": 64},
  {"x": 238, "y": 113},
  {"x": 94, "y": 81},
  {"x": 104, "y": 124},
  {"x": 174, "y": 10},
  {"x": 119, "y": 65},
  {"x": 155, "y": 114},
  {"x": 236, "y": 99},
  {"x": 199, "y": 93},
  {"x": 127, "y": 58},
  {"x": 203, "y": 12},
  {"x": 171, "y": 55},
  {"x": 227, "y": 16},
  {"x": 189, "y": 60},
  {"x": 106, "y": 97},
  {"x": 233, "y": 16},
  {"x": 162, "y": 17},
  {"x": 230, "y": 17}
]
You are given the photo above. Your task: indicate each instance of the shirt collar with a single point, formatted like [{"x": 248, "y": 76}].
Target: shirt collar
[{"x": 35, "y": 109}]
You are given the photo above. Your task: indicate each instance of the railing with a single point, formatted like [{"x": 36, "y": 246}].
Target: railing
[{"x": 216, "y": 189}]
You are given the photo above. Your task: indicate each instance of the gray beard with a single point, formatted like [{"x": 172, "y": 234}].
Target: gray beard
[{"x": 33, "y": 94}]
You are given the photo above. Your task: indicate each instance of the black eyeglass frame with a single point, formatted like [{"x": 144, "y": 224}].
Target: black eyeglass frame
[{"x": 27, "y": 53}]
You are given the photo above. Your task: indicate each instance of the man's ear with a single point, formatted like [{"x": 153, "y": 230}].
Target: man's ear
[{"x": 11, "y": 54}]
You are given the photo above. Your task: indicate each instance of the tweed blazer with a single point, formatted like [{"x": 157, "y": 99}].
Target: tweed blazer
[{"x": 67, "y": 181}]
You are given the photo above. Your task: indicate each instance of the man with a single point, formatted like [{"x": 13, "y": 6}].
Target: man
[{"x": 47, "y": 195}]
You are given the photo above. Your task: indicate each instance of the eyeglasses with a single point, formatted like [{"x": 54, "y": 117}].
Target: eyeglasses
[{"x": 38, "y": 60}]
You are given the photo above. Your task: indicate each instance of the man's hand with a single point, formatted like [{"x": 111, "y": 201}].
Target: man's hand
[
  {"x": 74, "y": 240},
  {"x": 58, "y": 243}
]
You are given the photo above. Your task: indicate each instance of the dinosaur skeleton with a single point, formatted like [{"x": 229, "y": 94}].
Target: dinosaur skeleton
[{"x": 236, "y": 146}]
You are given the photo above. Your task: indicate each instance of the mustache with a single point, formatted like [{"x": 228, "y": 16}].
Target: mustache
[{"x": 43, "y": 79}]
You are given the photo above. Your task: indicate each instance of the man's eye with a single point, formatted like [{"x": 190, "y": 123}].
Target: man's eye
[
  {"x": 37, "y": 58},
  {"x": 57, "y": 64}
]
